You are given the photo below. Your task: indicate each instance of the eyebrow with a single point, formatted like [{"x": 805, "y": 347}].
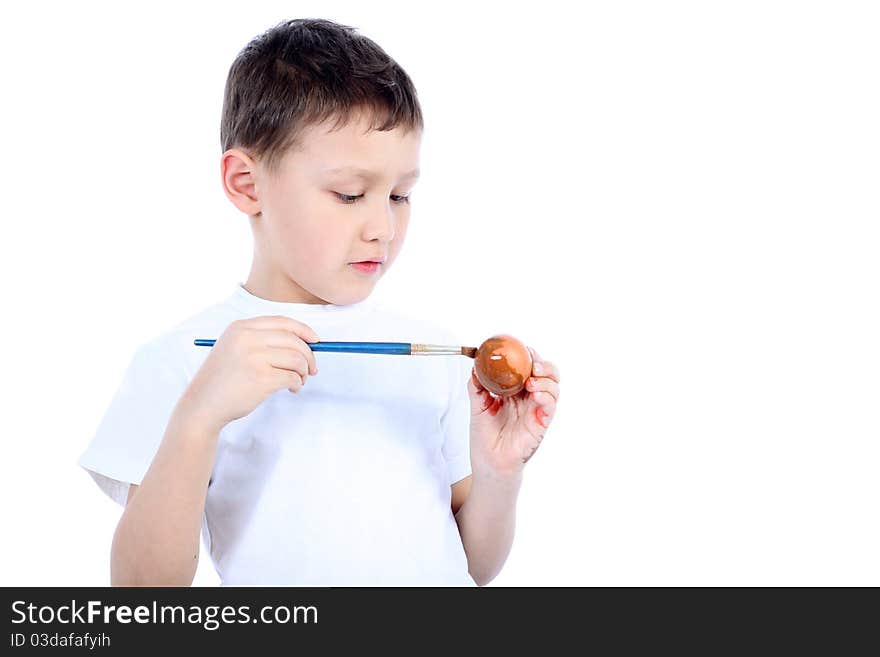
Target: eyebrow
[{"x": 368, "y": 175}]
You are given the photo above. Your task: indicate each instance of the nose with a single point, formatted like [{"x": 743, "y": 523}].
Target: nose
[{"x": 380, "y": 225}]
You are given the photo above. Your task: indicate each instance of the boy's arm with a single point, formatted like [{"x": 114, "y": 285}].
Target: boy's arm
[
  {"x": 460, "y": 491},
  {"x": 486, "y": 521},
  {"x": 156, "y": 542}
]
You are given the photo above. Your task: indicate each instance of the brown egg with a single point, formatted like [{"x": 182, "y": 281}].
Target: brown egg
[{"x": 503, "y": 365}]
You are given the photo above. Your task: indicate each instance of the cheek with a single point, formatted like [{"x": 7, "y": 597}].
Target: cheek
[
  {"x": 318, "y": 239},
  {"x": 399, "y": 236}
]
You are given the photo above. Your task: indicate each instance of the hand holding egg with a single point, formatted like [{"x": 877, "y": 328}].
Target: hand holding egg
[{"x": 513, "y": 394}]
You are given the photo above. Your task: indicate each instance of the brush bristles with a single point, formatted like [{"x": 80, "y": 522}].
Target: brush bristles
[{"x": 470, "y": 352}]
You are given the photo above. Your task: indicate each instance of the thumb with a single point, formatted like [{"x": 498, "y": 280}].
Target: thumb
[
  {"x": 475, "y": 388},
  {"x": 481, "y": 400}
]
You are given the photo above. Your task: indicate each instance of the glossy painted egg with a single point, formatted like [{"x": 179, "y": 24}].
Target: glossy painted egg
[{"x": 503, "y": 365}]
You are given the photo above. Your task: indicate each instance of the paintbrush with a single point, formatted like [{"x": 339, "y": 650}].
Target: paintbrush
[{"x": 392, "y": 348}]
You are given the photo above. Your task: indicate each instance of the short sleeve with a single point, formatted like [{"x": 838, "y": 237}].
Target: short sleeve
[
  {"x": 129, "y": 434},
  {"x": 456, "y": 420}
]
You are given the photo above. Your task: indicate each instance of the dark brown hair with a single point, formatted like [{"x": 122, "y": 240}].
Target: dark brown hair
[{"x": 305, "y": 71}]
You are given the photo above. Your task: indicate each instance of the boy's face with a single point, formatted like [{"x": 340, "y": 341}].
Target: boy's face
[{"x": 308, "y": 232}]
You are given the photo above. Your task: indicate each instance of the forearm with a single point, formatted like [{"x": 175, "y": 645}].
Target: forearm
[
  {"x": 486, "y": 522},
  {"x": 156, "y": 542}
]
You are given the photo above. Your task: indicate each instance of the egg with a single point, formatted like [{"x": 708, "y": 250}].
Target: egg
[{"x": 503, "y": 364}]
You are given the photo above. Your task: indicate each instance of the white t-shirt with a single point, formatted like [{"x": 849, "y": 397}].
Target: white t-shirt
[{"x": 345, "y": 483}]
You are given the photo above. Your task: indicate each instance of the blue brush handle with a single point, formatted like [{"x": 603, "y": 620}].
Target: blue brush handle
[{"x": 399, "y": 348}]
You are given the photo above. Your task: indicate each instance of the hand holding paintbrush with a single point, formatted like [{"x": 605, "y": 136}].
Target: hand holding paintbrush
[{"x": 251, "y": 360}]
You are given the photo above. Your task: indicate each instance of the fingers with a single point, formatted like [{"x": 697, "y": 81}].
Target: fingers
[
  {"x": 543, "y": 384},
  {"x": 282, "y": 323},
  {"x": 289, "y": 366},
  {"x": 288, "y": 359},
  {"x": 543, "y": 367},
  {"x": 544, "y": 388},
  {"x": 293, "y": 380},
  {"x": 286, "y": 340},
  {"x": 546, "y": 406},
  {"x": 279, "y": 331}
]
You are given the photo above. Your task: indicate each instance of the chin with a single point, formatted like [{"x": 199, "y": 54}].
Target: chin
[
  {"x": 353, "y": 298},
  {"x": 347, "y": 297}
]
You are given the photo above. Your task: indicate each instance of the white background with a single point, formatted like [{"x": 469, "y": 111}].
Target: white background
[{"x": 684, "y": 199}]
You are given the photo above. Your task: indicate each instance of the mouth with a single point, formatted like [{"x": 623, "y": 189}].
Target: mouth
[{"x": 367, "y": 266}]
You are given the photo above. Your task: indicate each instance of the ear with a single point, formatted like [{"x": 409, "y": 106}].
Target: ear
[{"x": 239, "y": 182}]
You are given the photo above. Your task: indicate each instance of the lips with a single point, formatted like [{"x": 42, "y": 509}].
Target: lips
[{"x": 366, "y": 266}]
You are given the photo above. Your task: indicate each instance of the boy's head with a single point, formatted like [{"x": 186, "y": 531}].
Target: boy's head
[{"x": 309, "y": 105}]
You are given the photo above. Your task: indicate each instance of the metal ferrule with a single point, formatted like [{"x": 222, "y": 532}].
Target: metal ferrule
[{"x": 432, "y": 349}]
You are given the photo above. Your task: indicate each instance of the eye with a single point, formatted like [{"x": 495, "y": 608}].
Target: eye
[
  {"x": 348, "y": 199},
  {"x": 345, "y": 198}
]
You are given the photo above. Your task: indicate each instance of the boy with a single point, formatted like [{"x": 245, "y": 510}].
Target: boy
[{"x": 379, "y": 470}]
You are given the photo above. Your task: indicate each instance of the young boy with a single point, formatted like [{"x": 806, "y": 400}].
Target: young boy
[{"x": 370, "y": 470}]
